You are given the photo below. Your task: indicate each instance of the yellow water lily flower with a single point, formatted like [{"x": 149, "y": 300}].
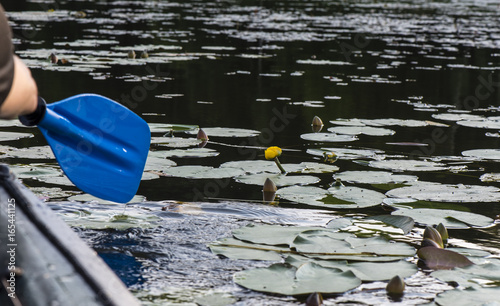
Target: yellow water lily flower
[{"x": 272, "y": 152}]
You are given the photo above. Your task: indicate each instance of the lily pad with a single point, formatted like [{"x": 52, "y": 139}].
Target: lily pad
[
  {"x": 375, "y": 177},
  {"x": 40, "y": 152},
  {"x": 201, "y": 172},
  {"x": 490, "y": 177},
  {"x": 485, "y": 123},
  {"x": 442, "y": 259},
  {"x": 270, "y": 234},
  {"x": 470, "y": 296},
  {"x": 335, "y": 197},
  {"x": 237, "y": 249},
  {"x": 489, "y": 154},
  {"x": 286, "y": 279},
  {"x": 279, "y": 179},
  {"x": 447, "y": 193},
  {"x": 166, "y": 127},
  {"x": 328, "y": 137},
  {"x": 357, "y": 130},
  {"x": 403, "y": 222},
  {"x": 188, "y": 153},
  {"x": 157, "y": 162},
  {"x": 456, "y": 117},
  {"x": 260, "y": 166},
  {"x": 309, "y": 167},
  {"x": 34, "y": 171},
  {"x": 449, "y": 218},
  {"x": 407, "y": 165},
  {"x": 7, "y": 136},
  {"x": 175, "y": 142},
  {"x": 488, "y": 272},
  {"x": 344, "y": 153},
  {"x": 226, "y": 132}
]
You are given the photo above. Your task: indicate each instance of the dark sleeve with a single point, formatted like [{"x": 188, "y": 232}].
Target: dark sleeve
[{"x": 6, "y": 57}]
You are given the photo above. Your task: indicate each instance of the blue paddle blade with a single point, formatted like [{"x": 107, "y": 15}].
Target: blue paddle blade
[{"x": 100, "y": 145}]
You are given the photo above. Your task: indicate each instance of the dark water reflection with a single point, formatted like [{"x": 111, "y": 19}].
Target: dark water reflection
[{"x": 271, "y": 66}]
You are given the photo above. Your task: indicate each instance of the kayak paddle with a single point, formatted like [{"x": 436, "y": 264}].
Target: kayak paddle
[{"x": 100, "y": 145}]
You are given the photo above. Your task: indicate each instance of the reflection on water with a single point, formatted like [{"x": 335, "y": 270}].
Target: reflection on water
[{"x": 391, "y": 81}]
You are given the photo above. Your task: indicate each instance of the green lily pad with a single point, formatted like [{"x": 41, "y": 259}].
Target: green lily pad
[
  {"x": 288, "y": 280},
  {"x": 442, "y": 259},
  {"x": 374, "y": 177},
  {"x": 157, "y": 162},
  {"x": 490, "y": 154},
  {"x": 488, "y": 272},
  {"x": 449, "y": 218},
  {"x": 490, "y": 177},
  {"x": 403, "y": 222},
  {"x": 357, "y": 130},
  {"x": 260, "y": 166},
  {"x": 175, "y": 142},
  {"x": 335, "y": 197},
  {"x": 407, "y": 165},
  {"x": 166, "y": 127},
  {"x": 237, "y": 249},
  {"x": 344, "y": 153},
  {"x": 328, "y": 137},
  {"x": 8, "y": 136},
  {"x": 34, "y": 171},
  {"x": 470, "y": 296},
  {"x": 457, "y": 117},
  {"x": 188, "y": 153},
  {"x": 201, "y": 172},
  {"x": 226, "y": 132},
  {"x": 279, "y": 179},
  {"x": 322, "y": 242},
  {"x": 270, "y": 234},
  {"x": 309, "y": 167},
  {"x": 40, "y": 152},
  {"x": 447, "y": 193}
]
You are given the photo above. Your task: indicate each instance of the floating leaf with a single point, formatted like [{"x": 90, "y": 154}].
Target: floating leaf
[
  {"x": 366, "y": 271},
  {"x": 270, "y": 234},
  {"x": 335, "y": 197},
  {"x": 407, "y": 165},
  {"x": 343, "y": 153},
  {"x": 442, "y": 259},
  {"x": 34, "y": 171},
  {"x": 328, "y": 137},
  {"x": 470, "y": 296},
  {"x": 165, "y": 127},
  {"x": 447, "y": 193},
  {"x": 188, "y": 153},
  {"x": 175, "y": 142},
  {"x": 201, "y": 172},
  {"x": 375, "y": 177},
  {"x": 449, "y": 218},
  {"x": 357, "y": 130},
  {"x": 260, "y": 166},
  {"x": 456, "y": 117},
  {"x": 156, "y": 162},
  {"x": 403, "y": 222},
  {"x": 309, "y": 167},
  {"x": 236, "y": 249},
  {"x": 489, "y": 154},
  {"x": 485, "y": 123},
  {"x": 7, "y": 136},
  {"x": 488, "y": 272},
  {"x": 226, "y": 132},
  {"x": 289, "y": 280},
  {"x": 279, "y": 179},
  {"x": 490, "y": 177}
]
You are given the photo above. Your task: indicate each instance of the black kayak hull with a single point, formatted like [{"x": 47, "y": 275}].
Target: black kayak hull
[{"x": 43, "y": 261}]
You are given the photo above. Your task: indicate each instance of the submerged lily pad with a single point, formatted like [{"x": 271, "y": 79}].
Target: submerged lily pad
[
  {"x": 447, "y": 193},
  {"x": 449, "y": 218},
  {"x": 375, "y": 177},
  {"x": 279, "y": 179},
  {"x": 357, "y": 130},
  {"x": 226, "y": 132},
  {"x": 328, "y": 137},
  {"x": 335, "y": 197},
  {"x": 288, "y": 280},
  {"x": 493, "y": 154},
  {"x": 407, "y": 165}
]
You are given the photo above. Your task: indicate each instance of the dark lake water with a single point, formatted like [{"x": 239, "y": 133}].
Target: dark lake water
[{"x": 267, "y": 67}]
